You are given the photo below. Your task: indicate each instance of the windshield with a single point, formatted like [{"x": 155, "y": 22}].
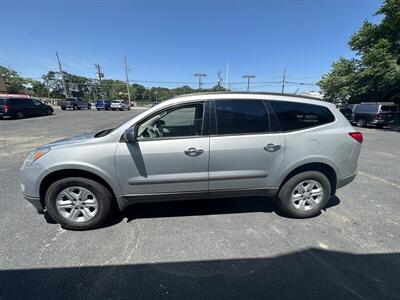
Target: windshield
[{"x": 105, "y": 132}]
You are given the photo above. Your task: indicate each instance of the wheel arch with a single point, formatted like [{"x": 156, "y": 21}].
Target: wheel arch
[
  {"x": 324, "y": 168},
  {"x": 64, "y": 173}
]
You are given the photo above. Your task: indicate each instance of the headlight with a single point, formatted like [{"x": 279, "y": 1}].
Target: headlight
[{"x": 35, "y": 155}]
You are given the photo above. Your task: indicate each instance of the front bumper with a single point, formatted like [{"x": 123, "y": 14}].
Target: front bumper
[
  {"x": 35, "y": 201},
  {"x": 345, "y": 180}
]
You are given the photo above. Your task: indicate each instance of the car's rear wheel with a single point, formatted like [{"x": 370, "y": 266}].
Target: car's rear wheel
[
  {"x": 63, "y": 108},
  {"x": 304, "y": 195},
  {"x": 20, "y": 115},
  {"x": 361, "y": 122},
  {"x": 49, "y": 112},
  {"x": 78, "y": 203}
]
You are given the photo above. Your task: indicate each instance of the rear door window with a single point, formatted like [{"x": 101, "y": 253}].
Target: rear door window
[
  {"x": 366, "y": 108},
  {"x": 241, "y": 117},
  {"x": 294, "y": 115}
]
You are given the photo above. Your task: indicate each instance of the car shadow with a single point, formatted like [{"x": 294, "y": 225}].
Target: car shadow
[
  {"x": 208, "y": 207},
  {"x": 310, "y": 273},
  {"x": 201, "y": 207}
]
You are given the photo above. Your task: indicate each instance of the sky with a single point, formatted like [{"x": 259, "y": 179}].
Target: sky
[{"x": 167, "y": 41}]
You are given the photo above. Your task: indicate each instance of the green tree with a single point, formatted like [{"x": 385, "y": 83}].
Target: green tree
[
  {"x": 375, "y": 74},
  {"x": 14, "y": 82}
]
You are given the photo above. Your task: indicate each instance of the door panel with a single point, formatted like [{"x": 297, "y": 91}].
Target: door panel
[
  {"x": 243, "y": 154},
  {"x": 162, "y": 166},
  {"x": 244, "y": 161}
]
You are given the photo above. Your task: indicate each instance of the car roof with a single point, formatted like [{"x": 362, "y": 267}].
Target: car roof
[{"x": 246, "y": 96}]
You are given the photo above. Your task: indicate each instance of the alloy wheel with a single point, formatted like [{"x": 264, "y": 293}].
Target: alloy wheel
[
  {"x": 77, "y": 204},
  {"x": 307, "y": 195}
]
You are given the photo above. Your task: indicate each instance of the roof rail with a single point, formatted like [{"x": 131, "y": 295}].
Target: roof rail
[{"x": 249, "y": 93}]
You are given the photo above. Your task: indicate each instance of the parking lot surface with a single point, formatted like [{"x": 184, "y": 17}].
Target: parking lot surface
[{"x": 231, "y": 248}]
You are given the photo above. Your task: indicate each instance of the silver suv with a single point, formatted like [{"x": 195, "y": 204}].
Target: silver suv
[{"x": 208, "y": 145}]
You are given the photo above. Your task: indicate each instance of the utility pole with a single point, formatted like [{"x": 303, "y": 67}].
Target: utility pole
[
  {"x": 200, "y": 75},
  {"x": 248, "y": 80},
  {"x": 127, "y": 83},
  {"x": 284, "y": 80},
  {"x": 219, "y": 79},
  {"x": 227, "y": 77},
  {"x": 62, "y": 76},
  {"x": 100, "y": 75}
]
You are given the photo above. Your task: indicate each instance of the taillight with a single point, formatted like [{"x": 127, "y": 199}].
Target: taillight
[
  {"x": 357, "y": 136},
  {"x": 377, "y": 117},
  {"x": 6, "y": 107}
]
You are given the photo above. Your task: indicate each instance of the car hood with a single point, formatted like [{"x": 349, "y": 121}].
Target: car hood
[{"x": 73, "y": 140}]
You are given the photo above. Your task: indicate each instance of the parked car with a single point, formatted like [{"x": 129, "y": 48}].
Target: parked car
[
  {"x": 23, "y": 107},
  {"x": 120, "y": 105},
  {"x": 208, "y": 145},
  {"x": 74, "y": 103},
  {"x": 103, "y": 104},
  {"x": 375, "y": 113},
  {"x": 348, "y": 113}
]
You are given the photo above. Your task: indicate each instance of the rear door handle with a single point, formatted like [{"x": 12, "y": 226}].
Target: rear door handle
[
  {"x": 272, "y": 147},
  {"x": 193, "y": 151}
]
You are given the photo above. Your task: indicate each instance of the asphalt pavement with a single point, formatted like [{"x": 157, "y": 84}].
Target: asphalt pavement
[{"x": 224, "y": 249}]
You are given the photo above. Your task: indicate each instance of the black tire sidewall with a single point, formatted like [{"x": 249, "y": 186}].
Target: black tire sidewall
[
  {"x": 285, "y": 194},
  {"x": 20, "y": 115},
  {"x": 362, "y": 121},
  {"x": 102, "y": 194}
]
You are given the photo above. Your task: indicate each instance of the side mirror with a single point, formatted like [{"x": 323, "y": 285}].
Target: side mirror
[{"x": 130, "y": 135}]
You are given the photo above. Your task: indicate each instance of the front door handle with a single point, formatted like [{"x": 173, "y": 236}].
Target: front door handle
[
  {"x": 272, "y": 147},
  {"x": 193, "y": 151}
]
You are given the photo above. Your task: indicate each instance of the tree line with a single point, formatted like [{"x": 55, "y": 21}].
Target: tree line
[
  {"x": 51, "y": 86},
  {"x": 374, "y": 75}
]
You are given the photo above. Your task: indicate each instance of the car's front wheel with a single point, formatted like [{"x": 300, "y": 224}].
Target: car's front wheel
[
  {"x": 304, "y": 195},
  {"x": 78, "y": 203}
]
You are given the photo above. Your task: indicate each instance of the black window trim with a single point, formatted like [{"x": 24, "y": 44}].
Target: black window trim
[
  {"x": 204, "y": 126},
  {"x": 299, "y": 129},
  {"x": 213, "y": 118}
]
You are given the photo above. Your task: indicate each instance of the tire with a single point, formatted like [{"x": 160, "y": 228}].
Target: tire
[
  {"x": 361, "y": 122},
  {"x": 98, "y": 109},
  {"x": 20, "y": 115},
  {"x": 379, "y": 126},
  {"x": 63, "y": 108},
  {"x": 94, "y": 190},
  {"x": 291, "y": 207},
  {"x": 89, "y": 107},
  {"x": 49, "y": 112},
  {"x": 74, "y": 107}
]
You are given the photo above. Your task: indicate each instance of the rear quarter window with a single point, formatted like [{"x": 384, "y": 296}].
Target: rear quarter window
[
  {"x": 389, "y": 108},
  {"x": 366, "y": 108},
  {"x": 295, "y": 116}
]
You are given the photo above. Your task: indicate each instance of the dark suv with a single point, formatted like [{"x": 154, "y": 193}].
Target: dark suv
[
  {"x": 22, "y": 107},
  {"x": 378, "y": 114}
]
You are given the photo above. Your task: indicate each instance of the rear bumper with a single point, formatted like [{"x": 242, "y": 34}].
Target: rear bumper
[
  {"x": 341, "y": 182},
  {"x": 35, "y": 201}
]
